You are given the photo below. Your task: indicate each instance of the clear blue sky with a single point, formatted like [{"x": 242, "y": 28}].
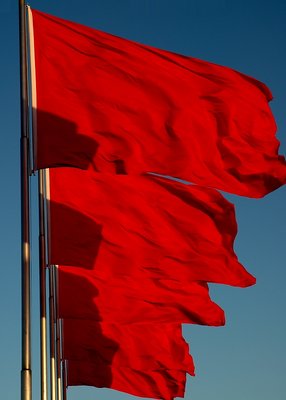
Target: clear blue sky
[{"x": 246, "y": 359}]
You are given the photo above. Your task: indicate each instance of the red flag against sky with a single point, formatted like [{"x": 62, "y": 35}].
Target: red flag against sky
[
  {"x": 138, "y": 346},
  {"x": 117, "y": 106},
  {"x": 156, "y": 384},
  {"x": 148, "y": 360},
  {"x": 85, "y": 295},
  {"x": 142, "y": 226}
]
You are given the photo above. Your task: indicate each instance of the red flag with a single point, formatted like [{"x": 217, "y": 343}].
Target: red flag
[
  {"x": 117, "y": 106},
  {"x": 141, "y": 347},
  {"x": 142, "y": 226},
  {"x": 155, "y": 384},
  {"x": 147, "y": 360},
  {"x": 85, "y": 295}
]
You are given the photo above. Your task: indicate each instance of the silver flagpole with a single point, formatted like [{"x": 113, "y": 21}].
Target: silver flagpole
[
  {"x": 26, "y": 371},
  {"x": 58, "y": 337},
  {"x": 64, "y": 366},
  {"x": 64, "y": 380},
  {"x": 53, "y": 382},
  {"x": 53, "y": 371},
  {"x": 43, "y": 294},
  {"x": 42, "y": 228}
]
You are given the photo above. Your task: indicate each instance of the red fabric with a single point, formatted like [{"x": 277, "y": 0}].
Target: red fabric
[
  {"x": 118, "y": 106},
  {"x": 138, "y": 346},
  {"x": 147, "y": 227},
  {"x": 156, "y": 384},
  {"x": 84, "y": 295}
]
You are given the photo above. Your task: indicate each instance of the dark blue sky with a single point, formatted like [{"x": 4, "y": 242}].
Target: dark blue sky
[{"x": 246, "y": 359}]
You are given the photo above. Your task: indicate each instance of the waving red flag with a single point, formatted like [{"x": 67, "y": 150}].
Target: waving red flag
[
  {"x": 85, "y": 295},
  {"x": 155, "y": 384},
  {"x": 140, "y": 346},
  {"x": 117, "y": 106},
  {"x": 142, "y": 226},
  {"x": 149, "y": 360}
]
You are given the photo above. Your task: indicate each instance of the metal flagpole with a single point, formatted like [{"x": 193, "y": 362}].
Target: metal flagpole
[
  {"x": 58, "y": 337},
  {"x": 53, "y": 393},
  {"x": 26, "y": 371},
  {"x": 64, "y": 367},
  {"x": 64, "y": 380},
  {"x": 42, "y": 275},
  {"x": 42, "y": 227},
  {"x": 52, "y": 335}
]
